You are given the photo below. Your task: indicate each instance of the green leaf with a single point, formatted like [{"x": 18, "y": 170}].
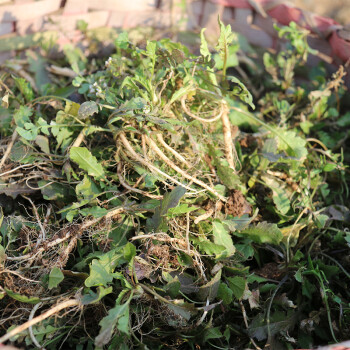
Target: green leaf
[
  {"x": 29, "y": 132},
  {"x": 181, "y": 92},
  {"x": 170, "y": 200},
  {"x": 242, "y": 92},
  {"x": 93, "y": 297},
  {"x": 204, "y": 46},
  {"x": 180, "y": 209},
  {"x": 87, "y": 109},
  {"x": 210, "y": 248},
  {"x": 43, "y": 143},
  {"x": 263, "y": 232},
  {"x": 95, "y": 211},
  {"x": 54, "y": 191},
  {"x": 117, "y": 317},
  {"x": 86, "y": 161},
  {"x": 212, "y": 333},
  {"x": 151, "y": 49},
  {"x": 279, "y": 321},
  {"x": 292, "y": 144},
  {"x": 43, "y": 126},
  {"x": 129, "y": 251},
  {"x": 173, "y": 287},
  {"x": 225, "y": 294},
  {"x": 237, "y": 284},
  {"x": 122, "y": 40},
  {"x": 225, "y": 39},
  {"x": 22, "y": 298},
  {"x": 3, "y": 255},
  {"x": 232, "y": 59},
  {"x": 222, "y": 237},
  {"x": 99, "y": 276},
  {"x": 87, "y": 188},
  {"x": 25, "y": 88},
  {"x": 210, "y": 290},
  {"x": 55, "y": 277},
  {"x": 21, "y": 115}
]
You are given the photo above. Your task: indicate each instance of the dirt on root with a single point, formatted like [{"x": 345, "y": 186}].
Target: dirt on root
[{"x": 237, "y": 205}]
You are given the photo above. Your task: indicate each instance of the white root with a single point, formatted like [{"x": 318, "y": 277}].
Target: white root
[
  {"x": 150, "y": 166},
  {"x": 203, "y": 120},
  {"x": 64, "y": 305},
  {"x": 154, "y": 146},
  {"x": 170, "y": 149}
]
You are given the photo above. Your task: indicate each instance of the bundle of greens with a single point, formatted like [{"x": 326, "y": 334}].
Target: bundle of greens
[{"x": 146, "y": 192}]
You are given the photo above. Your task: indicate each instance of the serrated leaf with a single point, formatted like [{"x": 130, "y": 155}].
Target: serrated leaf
[
  {"x": 21, "y": 115},
  {"x": 204, "y": 45},
  {"x": 225, "y": 294},
  {"x": 237, "y": 284},
  {"x": 242, "y": 92},
  {"x": 30, "y": 134},
  {"x": 122, "y": 40},
  {"x": 83, "y": 157},
  {"x": 263, "y": 232},
  {"x": 87, "y": 109},
  {"x": 25, "y": 88},
  {"x": 55, "y": 277},
  {"x": 222, "y": 237},
  {"x": 225, "y": 39}
]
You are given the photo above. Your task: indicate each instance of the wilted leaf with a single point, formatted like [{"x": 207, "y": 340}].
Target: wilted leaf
[
  {"x": 210, "y": 290},
  {"x": 87, "y": 109},
  {"x": 291, "y": 234},
  {"x": 13, "y": 190}
]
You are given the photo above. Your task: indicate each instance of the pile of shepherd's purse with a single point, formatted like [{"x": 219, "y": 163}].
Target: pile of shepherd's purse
[{"x": 146, "y": 197}]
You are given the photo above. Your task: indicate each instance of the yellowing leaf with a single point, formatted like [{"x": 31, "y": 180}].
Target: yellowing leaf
[{"x": 291, "y": 234}]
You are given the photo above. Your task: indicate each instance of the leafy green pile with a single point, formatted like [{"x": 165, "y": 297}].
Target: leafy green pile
[{"x": 145, "y": 192}]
